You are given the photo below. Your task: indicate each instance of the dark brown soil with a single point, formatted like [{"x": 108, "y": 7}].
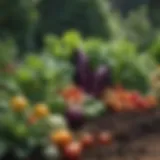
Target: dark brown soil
[{"x": 137, "y": 136}]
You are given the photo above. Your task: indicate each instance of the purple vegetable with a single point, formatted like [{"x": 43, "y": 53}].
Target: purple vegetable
[
  {"x": 84, "y": 73},
  {"x": 91, "y": 82},
  {"x": 102, "y": 79},
  {"x": 75, "y": 116}
]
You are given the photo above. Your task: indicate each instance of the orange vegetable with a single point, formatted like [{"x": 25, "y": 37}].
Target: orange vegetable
[
  {"x": 151, "y": 100},
  {"x": 41, "y": 110},
  {"x": 61, "y": 137},
  {"x": 117, "y": 106},
  {"x": 19, "y": 103},
  {"x": 73, "y": 150}
]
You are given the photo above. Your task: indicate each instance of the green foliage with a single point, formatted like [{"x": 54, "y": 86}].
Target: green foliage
[
  {"x": 44, "y": 74},
  {"x": 8, "y": 52},
  {"x": 87, "y": 16},
  {"x": 17, "y": 19},
  {"x": 21, "y": 136},
  {"x": 129, "y": 67},
  {"x": 154, "y": 48},
  {"x": 62, "y": 48},
  {"x": 139, "y": 28}
]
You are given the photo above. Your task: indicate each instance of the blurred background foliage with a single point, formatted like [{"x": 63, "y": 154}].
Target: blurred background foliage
[
  {"x": 122, "y": 34},
  {"x": 27, "y": 21}
]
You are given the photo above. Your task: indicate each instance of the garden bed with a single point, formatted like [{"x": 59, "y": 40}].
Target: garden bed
[{"x": 136, "y": 136}]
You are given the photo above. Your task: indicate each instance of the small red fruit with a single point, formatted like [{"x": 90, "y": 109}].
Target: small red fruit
[
  {"x": 73, "y": 151},
  {"x": 135, "y": 96},
  {"x": 105, "y": 138},
  {"x": 87, "y": 140},
  {"x": 142, "y": 103},
  {"x": 72, "y": 94}
]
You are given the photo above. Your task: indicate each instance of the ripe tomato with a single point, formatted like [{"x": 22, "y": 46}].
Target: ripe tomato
[
  {"x": 105, "y": 138},
  {"x": 142, "y": 103},
  {"x": 61, "y": 137},
  {"x": 135, "y": 96},
  {"x": 73, "y": 94},
  {"x": 19, "y": 103},
  {"x": 87, "y": 140},
  {"x": 73, "y": 150},
  {"x": 41, "y": 110}
]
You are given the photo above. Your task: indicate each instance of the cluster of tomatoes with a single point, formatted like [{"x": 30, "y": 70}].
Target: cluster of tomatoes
[
  {"x": 71, "y": 146},
  {"x": 20, "y": 103},
  {"x": 120, "y": 99},
  {"x": 73, "y": 95},
  {"x": 72, "y": 149}
]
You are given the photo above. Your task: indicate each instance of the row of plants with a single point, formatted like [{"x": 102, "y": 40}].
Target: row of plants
[{"x": 70, "y": 81}]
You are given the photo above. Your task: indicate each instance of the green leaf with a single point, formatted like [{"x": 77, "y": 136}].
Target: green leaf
[{"x": 4, "y": 147}]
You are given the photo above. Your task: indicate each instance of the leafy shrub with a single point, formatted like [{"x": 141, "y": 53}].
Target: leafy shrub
[
  {"x": 44, "y": 74},
  {"x": 86, "y": 16},
  {"x": 17, "y": 20}
]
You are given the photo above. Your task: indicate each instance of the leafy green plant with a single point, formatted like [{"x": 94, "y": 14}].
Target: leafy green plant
[
  {"x": 40, "y": 77},
  {"x": 22, "y": 132}
]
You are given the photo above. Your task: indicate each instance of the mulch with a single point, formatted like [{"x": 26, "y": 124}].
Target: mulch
[{"x": 137, "y": 136}]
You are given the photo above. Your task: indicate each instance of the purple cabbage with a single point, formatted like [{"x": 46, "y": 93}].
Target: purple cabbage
[{"x": 92, "y": 82}]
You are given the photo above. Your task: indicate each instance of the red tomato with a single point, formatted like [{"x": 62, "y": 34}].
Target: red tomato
[
  {"x": 142, "y": 103},
  {"x": 73, "y": 95},
  {"x": 87, "y": 140},
  {"x": 73, "y": 151},
  {"x": 105, "y": 138},
  {"x": 135, "y": 96}
]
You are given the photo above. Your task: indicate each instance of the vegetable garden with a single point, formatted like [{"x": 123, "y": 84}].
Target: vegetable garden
[
  {"x": 75, "y": 96},
  {"x": 80, "y": 97}
]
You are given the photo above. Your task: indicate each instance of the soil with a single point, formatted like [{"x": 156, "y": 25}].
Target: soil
[{"x": 136, "y": 136}]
